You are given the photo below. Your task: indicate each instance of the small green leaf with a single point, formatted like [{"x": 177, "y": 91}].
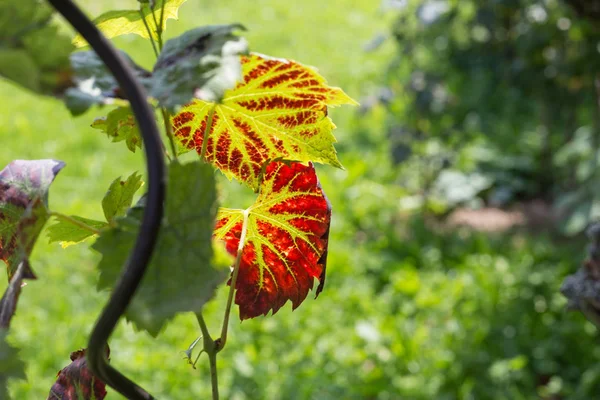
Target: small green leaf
[
  {"x": 122, "y": 22},
  {"x": 33, "y": 53},
  {"x": 201, "y": 63},
  {"x": 69, "y": 234},
  {"x": 120, "y": 124},
  {"x": 23, "y": 209},
  {"x": 94, "y": 83},
  {"x": 119, "y": 197},
  {"x": 11, "y": 365},
  {"x": 180, "y": 276}
]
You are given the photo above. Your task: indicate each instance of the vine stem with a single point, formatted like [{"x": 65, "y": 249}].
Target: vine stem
[
  {"x": 149, "y": 32},
  {"x": 165, "y": 113},
  {"x": 158, "y": 25},
  {"x": 210, "y": 348},
  {"x": 75, "y": 222},
  {"x": 234, "y": 275},
  {"x": 207, "y": 129}
]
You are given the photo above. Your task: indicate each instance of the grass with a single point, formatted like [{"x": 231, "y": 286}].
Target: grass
[{"x": 56, "y": 312}]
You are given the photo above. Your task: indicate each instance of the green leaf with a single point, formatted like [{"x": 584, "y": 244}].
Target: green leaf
[
  {"x": 69, "y": 234},
  {"x": 33, "y": 53},
  {"x": 10, "y": 364},
  {"x": 203, "y": 63},
  {"x": 120, "y": 124},
  {"x": 119, "y": 197},
  {"x": 95, "y": 84},
  {"x": 24, "y": 209},
  {"x": 180, "y": 276},
  {"x": 123, "y": 22}
]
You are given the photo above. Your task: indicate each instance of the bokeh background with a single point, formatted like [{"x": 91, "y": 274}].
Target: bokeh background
[{"x": 470, "y": 175}]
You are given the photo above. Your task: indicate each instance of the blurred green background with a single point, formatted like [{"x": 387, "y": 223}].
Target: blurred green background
[{"x": 470, "y": 176}]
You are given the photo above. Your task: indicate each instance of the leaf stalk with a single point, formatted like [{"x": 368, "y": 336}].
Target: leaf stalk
[
  {"x": 234, "y": 276},
  {"x": 211, "y": 348},
  {"x": 75, "y": 222}
]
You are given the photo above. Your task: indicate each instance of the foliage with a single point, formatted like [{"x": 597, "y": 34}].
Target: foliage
[
  {"x": 367, "y": 336},
  {"x": 515, "y": 80},
  {"x": 26, "y": 55},
  {"x": 203, "y": 63},
  {"x": 180, "y": 276}
]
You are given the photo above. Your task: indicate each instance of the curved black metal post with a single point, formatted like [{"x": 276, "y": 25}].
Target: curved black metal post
[{"x": 142, "y": 250}]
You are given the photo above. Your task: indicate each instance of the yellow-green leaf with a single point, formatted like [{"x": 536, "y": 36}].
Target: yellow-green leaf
[
  {"x": 279, "y": 110},
  {"x": 122, "y": 22}
]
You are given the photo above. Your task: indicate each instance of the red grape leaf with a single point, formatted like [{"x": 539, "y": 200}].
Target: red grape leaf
[
  {"x": 278, "y": 111},
  {"x": 76, "y": 381},
  {"x": 286, "y": 239},
  {"x": 23, "y": 209}
]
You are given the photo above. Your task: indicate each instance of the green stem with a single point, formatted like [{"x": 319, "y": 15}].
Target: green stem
[
  {"x": 158, "y": 25},
  {"x": 210, "y": 347},
  {"x": 236, "y": 270},
  {"x": 149, "y": 33},
  {"x": 169, "y": 131},
  {"x": 73, "y": 221},
  {"x": 209, "y": 122}
]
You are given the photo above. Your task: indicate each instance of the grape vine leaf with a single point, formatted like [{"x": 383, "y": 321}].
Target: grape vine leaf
[
  {"x": 278, "y": 111},
  {"x": 33, "y": 53},
  {"x": 115, "y": 203},
  {"x": 286, "y": 239},
  {"x": 122, "y": 22},
  {"x": 202, "y": 62},
  {"x": 119, "y": 196},
  {"x": 180, "y": 276},
  {"x": 76, "y": 381},
  {"x": 11, "y": 365},
  {"x": 23, "y": 209},
  {"x": 95, "y": 84},
  {"x": 69, "y": 234},
  {"x": 120, "y": 124}
]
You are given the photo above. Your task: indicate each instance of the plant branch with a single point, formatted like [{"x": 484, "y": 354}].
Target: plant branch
[
  {"x": 234, "y": 275},
  {"x": 158, "y": 25},
  {"x": 207, "y": 129},
  {"x": 75, "y": 222},
  {"x": 149, "y": 32},
  {"x": 210, "y": 348}
]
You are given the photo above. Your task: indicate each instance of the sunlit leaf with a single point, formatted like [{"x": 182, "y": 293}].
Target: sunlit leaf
[
  {"x": 122, "y": 22},
  {"x": 119, "y": 196},
  {"x": 286, "y": 240},
  {"x": 120, "y": 125},
  {"x": 23, "y": 209},
  {"x": 94, "y": 83},
  {"x": 76, "y": 381},
  {"x": 202, "y": 63},
  {"x": 33, "y": 53},
  {"x": 278, "y": 111},
  {"x": 11, "y": 366},
  {"x": 180, "y": 276},
  {"x": 69, "y": 234}
]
